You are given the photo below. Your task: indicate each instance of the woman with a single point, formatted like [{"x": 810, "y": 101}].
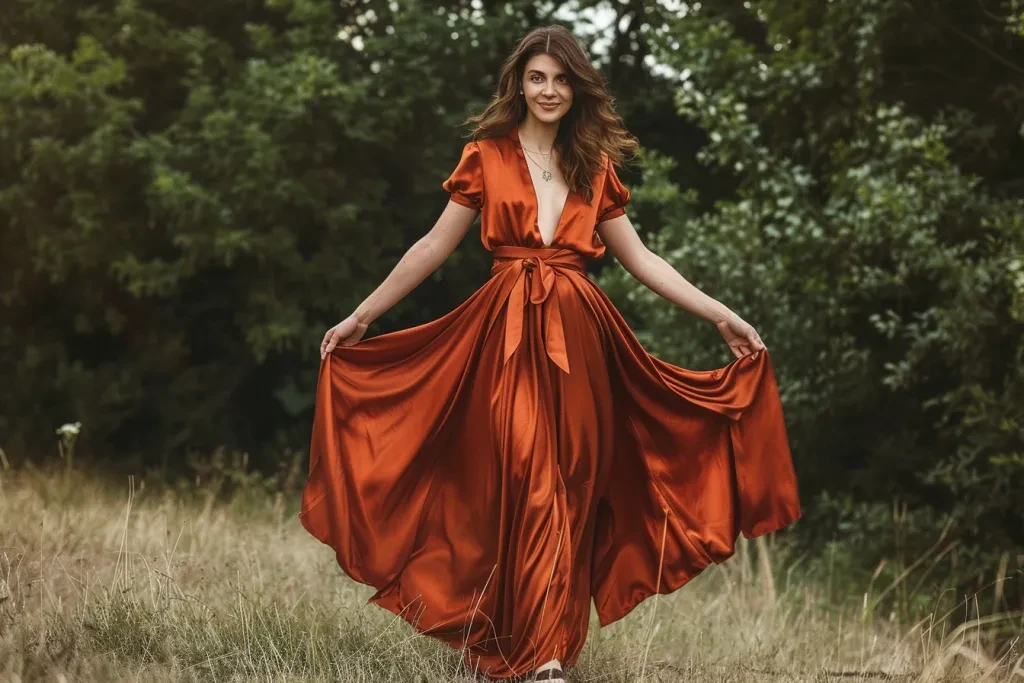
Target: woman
[{"x": 492, "y": 471}]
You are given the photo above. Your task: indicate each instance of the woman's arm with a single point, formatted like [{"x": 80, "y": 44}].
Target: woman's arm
[
  {"x": 655, "y": 273},
  {"x": 420, "y": 260}
]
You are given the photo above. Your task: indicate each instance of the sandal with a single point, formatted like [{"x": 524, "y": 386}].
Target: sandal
[{"x": 550, "y": 674}]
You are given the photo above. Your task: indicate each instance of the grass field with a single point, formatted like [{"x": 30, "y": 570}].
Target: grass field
[{"x": 124, "y": 582}]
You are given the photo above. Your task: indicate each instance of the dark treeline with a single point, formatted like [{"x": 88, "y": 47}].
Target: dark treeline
[{"x": 191, "y": 192}]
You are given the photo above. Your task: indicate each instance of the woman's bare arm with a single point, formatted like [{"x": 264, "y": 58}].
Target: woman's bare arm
[
  {"x": 421, "y": 259},
  {"x": 424, "y": 257},
  {"x": 655, "y": 273}
]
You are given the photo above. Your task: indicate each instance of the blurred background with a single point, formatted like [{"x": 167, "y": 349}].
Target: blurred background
[{"x": 193, "y": 191}]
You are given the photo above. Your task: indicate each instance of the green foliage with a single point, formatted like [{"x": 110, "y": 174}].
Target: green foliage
[
  {"x": 189, "y": 197},
  {"x": 908, "y": 564},
  {"x": 883, "y": 276}
]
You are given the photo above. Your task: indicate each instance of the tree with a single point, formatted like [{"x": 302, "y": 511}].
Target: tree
[{"x": 874, "y": 237}]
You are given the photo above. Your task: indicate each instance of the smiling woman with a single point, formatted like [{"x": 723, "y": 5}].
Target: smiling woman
[
  {"x": 548, "y": 94},
  {"x": 493, "y": 471}
]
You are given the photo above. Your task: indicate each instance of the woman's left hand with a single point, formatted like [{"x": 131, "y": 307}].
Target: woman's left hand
[{"x": 739, "y": 335}]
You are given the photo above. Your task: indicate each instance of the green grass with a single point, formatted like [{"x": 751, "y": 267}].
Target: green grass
[{"x": 104, "y": 582}]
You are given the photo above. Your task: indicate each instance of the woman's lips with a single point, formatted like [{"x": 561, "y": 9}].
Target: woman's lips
[{"x": 553, "y": 105}]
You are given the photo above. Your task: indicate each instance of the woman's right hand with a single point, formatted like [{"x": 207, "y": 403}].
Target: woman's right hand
[{"x": 346, "y": 333}]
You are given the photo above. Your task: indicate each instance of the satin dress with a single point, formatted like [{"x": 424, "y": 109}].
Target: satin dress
[{"x": 494, "y": 470}]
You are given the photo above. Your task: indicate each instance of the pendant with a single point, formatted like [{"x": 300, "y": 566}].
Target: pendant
[{"x": 546, "y": 175}]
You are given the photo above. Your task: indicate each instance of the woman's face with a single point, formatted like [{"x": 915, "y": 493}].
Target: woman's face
[{"x": 546, "y": 83}]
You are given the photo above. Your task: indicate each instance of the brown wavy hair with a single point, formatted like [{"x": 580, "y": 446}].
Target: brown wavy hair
[{"x": 590, "y": 127}]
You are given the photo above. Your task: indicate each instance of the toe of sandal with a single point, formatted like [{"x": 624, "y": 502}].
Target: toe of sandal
[{"x": 551, "y": 674}]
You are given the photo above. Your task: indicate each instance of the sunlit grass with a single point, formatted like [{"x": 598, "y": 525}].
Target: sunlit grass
[{"x": 122, "y": 583}]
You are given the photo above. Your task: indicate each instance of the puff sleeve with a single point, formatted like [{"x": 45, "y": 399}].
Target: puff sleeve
[
  {"x": 466, "y": 183},
  {"x": 614, "y": 195}
]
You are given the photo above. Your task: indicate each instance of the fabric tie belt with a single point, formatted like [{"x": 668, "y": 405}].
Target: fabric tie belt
[{"x": 536, "y": 276}]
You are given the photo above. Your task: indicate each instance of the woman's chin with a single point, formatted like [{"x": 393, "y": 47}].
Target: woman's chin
[{"x": 548, "y": 116}]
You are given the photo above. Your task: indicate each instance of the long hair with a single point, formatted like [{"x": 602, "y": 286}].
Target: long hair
[{"x": 590, "y": 127}]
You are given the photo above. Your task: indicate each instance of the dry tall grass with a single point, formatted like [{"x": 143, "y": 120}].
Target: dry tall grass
[{"x": 107, "y": 583}]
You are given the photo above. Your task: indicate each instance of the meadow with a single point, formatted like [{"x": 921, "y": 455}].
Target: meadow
[{"x": 137, "y": 581}]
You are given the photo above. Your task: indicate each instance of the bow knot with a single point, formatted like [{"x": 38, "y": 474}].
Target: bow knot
[{"x": 534, "y": 283}]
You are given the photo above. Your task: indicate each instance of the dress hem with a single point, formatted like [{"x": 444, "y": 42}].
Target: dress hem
[{"x": 761, "y": 529}]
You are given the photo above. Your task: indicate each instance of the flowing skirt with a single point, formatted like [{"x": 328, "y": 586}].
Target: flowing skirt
[{"x": 494, "y": 470}]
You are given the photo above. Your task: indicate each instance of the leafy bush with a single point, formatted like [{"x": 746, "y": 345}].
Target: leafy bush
[{"x": 885, "y": 278}]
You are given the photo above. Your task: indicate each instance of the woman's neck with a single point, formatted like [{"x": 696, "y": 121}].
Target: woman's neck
[{"x": 538, "y": 136}]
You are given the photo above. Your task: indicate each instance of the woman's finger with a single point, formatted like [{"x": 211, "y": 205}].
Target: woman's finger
[{"x": 323, "y": 343}]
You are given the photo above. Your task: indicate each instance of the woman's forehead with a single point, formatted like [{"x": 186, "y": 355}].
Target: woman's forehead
[{"x": 544, "y": 63}]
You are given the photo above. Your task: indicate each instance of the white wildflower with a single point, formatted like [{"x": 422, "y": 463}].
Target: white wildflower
[{"x": 69, "y": 429}]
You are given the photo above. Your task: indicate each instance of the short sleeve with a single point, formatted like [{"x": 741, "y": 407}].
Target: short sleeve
[
  {"x": 614, "y": 195},
  {"x": 466, "y": 183}
]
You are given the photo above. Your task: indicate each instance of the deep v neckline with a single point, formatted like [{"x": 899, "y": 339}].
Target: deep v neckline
[{"x": 525, "y": 168}]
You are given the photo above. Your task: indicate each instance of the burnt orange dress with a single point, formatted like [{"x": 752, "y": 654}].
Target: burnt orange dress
[{"x": 492, "y": 471}]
